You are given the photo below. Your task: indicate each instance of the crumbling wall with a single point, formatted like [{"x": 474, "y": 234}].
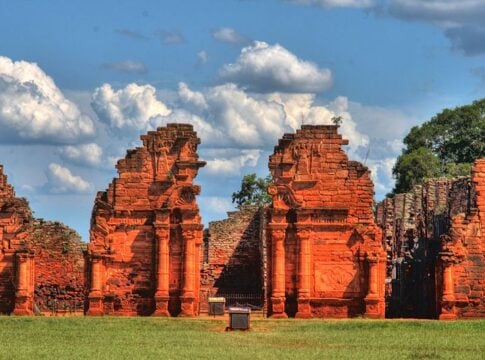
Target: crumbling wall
[
  {"x": 146, "y": 233},
  {"x": 41, "y": 263},
  {"x": 233, "y": 263},
  {"x": 59, "y": 267},
  {"x": 419, "y": 229},
  {"x": 325, "y": 253},
  {"x": 16, "y": 257}
]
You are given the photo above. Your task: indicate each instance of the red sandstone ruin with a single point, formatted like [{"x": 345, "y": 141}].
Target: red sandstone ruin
[
  {"x": 436, "y": 248},
  {"x": 16, "y": 257},
  {"x": 325, "y": 256},
  {"x": 41, "y": 263},
  {"x": 146, "y": 232}
]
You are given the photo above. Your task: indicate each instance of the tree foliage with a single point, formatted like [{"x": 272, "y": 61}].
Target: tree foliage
[
  {"x": 446, "y": 145},
  {"x": 254, "y": 191}
]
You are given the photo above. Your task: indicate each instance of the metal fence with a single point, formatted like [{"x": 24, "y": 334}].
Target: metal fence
[{"x": 254, "y": 301}]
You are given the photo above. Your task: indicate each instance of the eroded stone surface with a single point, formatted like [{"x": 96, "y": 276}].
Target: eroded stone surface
[
  {"x": 41, "y": 262},
  {"x": 59, "y": 267},
  {"x": 435, "y": 246},
  {"x": 325, "y": 256},
  {"x": 146, "y": 232},
  {"x": 16, "y": 256}
]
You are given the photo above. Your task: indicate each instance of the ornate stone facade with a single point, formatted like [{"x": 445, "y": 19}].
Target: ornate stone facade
[
  {"x": 325, "y": 256},
  {"x": 146, "y": 232},
  {"x": 16, "y": 256}
]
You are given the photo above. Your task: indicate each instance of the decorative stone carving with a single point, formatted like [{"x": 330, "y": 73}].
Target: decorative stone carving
[
  {"x": 320, "y": 229},
  {"x": 146, "y": 230}
]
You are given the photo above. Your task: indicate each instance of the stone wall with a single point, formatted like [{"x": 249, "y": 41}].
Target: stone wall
[
  {"x": 325, "y": 255},
  {"x": 41, "y": 262},
  {"x": 146, "y": 233},
  {"x": 16, "y": 256},
  {"x": 59, "y": 267},
  {"x": 232, "y": 265},
  {"x": 419, "y": 229}
]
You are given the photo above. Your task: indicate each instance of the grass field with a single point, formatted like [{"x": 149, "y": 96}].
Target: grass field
[{"x": 157, "y": 338}]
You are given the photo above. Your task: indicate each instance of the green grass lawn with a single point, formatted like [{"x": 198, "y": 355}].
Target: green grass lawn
[{"x": 158, "y": 338}]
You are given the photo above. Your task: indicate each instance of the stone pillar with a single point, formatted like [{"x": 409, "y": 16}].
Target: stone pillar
[
  {"x": 372, "y": 298},
  {"x": 278, "y": 281},
  {"x": 24, "y": 294},
  {"x": 304, "y": 273},
  {"x": 95, "y": 297},
  {"x": 162, "y": 295},
  {"x": 188, "y": 291},
  {"x": 448, "y": 298}
]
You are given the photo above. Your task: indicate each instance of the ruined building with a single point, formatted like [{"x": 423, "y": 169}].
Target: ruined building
[
  {"x": 324, "y": 251},
  {"x": 436, "y": 247},
  {"x": 16, "y": 257},
  {"x": 146, "y": 233},
  {"x": 41, "y": 263}
]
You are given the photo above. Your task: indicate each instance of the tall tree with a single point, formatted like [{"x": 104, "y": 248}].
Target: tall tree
[
  {"x": 254, "y": 191},
  {"x": 446, "y": 145}
]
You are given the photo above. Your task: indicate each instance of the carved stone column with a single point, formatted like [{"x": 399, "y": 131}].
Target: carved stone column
[
  {"x": 95, "y": 296},
  {"x": 278, "y": 281},
  {"x": 448, "y": 298},
  {"x": 372, "y": 298},
  {"x": 24, "y": 294},
  {"x": 188, "y": 291},
  {"x": 304, "y": 273},
  {"x": 162, "y": 295}
]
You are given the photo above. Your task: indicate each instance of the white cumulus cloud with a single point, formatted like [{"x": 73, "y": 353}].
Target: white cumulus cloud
[
  {"x": 272, "y": 68},
  {"x": 84, "y": 154},
  {"x": 61, "y": 181},
  {"x": 33, "y": 109},
  {"x": 129, "y": 108},
  {"x": 231, "y": 166}
]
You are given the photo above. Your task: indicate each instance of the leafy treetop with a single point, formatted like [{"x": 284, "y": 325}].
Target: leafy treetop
[
  {"x": 446, "y": 145},
  {"x": 254, "y": 191}
]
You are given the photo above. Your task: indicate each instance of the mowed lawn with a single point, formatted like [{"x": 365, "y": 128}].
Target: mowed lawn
[{"x": 158, "y": 338}]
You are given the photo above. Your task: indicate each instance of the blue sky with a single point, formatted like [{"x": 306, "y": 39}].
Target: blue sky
[{"x": 80, "y": 81}]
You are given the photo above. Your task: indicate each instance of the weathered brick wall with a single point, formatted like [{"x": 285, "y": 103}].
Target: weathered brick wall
[
  {"x": 59, "y": 266},
  {"x": 461, "y": 261},
  {"x": 16, "y": 265},
  {"x": 39, "y": 261},
  {"x": 144, "y": 252},
  {"x": 233, "y": 264},
  {"x": 325, "y": 252},
  {"x": 419, "y": 229}
]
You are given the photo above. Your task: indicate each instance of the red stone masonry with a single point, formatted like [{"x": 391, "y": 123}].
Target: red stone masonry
[
  {"x": 16, "y": 257},
  {"x": 436, "y": 248},
  {"x": 59, "y": 267},
  {"x": 461, "y": 261},
  {"x": 146, "y": 232},
  {"x": 325, "y": 256}
]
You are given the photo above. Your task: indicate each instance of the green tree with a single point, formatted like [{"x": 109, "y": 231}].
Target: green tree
[
  {"x": 254, "y": 191},
  {"x": 446, "y": 145}
]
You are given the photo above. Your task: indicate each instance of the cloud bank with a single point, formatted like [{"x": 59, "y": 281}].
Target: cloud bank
[{"x": 33, "y": 109}]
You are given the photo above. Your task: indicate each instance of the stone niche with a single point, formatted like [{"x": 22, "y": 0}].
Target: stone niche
[
  {"x": 324, "y": 251},
  {"x": 146, "y": 233}
]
